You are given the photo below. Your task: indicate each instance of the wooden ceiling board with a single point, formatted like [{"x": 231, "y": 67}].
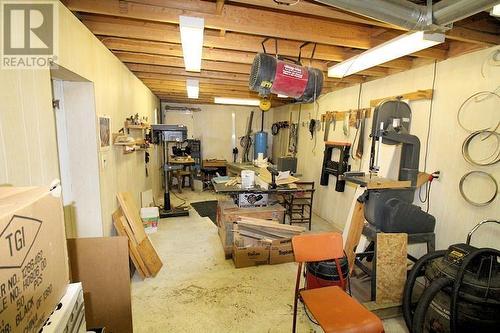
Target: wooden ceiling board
[{"x": 144, "y": 34}]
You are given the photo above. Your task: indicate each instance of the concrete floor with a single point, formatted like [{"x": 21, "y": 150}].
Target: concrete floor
[{"x": 198, "y": 290}]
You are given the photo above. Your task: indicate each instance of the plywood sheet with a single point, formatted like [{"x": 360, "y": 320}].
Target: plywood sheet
[
  {"x": 102, "y": 265},
  {"x": 391, "y": 267},
  {"x": 354, "y": 234},
  {"x": 150, "y": 256},
  {"x": 131, "y": 212},
  {"x": 119, "y": 222}
]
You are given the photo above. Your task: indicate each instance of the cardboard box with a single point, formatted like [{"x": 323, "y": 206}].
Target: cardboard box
[
  {"x": 228, "y": 213},
  {"x": 250, "y": 256},
  {"x": 33, "y": 257},
  {"x": 226, "y": 236},
  {"x": 247, "y": 252},
  {"x": 102, "y": 266},
  {"x": 281, "y": 251}
]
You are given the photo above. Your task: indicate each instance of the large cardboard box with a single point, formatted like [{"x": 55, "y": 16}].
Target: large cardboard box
[
  {"x": 250, "y": 256},
  {"x": 228, "y": 213},
  {"x": 248, "y": 253},
  {"x": 33, "y": 257},
  {"x": 281, "y": 251}
]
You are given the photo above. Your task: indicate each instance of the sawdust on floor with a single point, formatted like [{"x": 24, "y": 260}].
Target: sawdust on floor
[{"x": 198, "y": 290}]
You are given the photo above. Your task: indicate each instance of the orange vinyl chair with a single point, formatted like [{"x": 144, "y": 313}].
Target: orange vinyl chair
[{"x": 331, "y": 306}]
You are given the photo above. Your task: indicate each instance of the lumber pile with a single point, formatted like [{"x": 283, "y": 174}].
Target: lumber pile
[
  {"x": 228, "y": 213},
  {"x": 253, "y": 231},
  {"x": 260, "y": 242},
  {"x": 233, "y": 181},
  {"x": 128, "y": 222}
]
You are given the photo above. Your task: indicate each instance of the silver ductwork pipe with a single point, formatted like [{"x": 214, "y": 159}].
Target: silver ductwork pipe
[
  {"x": 449, "y": 11},
  {"x": 410, "y": 16}
]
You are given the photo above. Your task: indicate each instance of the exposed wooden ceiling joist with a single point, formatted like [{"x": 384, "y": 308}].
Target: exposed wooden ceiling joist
[
  {"x": 458, "y": 33},
  {"x": 316, "y": 9},
  {"x": 145, "y": 76},
  {"x": 175, "y": 50},
  {"x": 166, "y": 70},
  {"x": 205, "y": 83},
  {"x": 242, "y": 20},
  {"x": 238, "y": 19},
  {"x": 160, "y": 32},
  {"x": 214, "y": 66},
  {"x": 144, "y": 34},
  {"x": 143, "y": 58}
]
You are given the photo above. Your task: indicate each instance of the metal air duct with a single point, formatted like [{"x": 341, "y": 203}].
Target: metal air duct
[{"x": 410, "y": 16}]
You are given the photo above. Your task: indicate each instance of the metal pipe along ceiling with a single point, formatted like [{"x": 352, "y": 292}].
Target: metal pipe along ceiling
[{"x": 410, "y": 16}]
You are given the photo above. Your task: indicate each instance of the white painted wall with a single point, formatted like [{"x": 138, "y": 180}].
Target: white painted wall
[
  {"x": 213, "y": 126},
  {"x": 28, "y": 147},
  {"x": 456, "y": 79}
]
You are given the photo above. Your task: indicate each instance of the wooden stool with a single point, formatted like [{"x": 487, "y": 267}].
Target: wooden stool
[{"x": 181, "y": 176}]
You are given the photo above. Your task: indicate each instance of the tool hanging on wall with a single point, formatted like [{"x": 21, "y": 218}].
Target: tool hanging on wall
[
  {"x": 345, "y": 124},
  {"x": 276, "y": 127},
  {"x": 312, "y": 125},
  {"x": 233, "y": 137},
  {"x": 335, "y": 168},
  {"x": 327, "y": 121},
  {"x": 492, "y": 159},
  {"x": 146, "y": 162},
  {"x": 485, "y": 175},
  {"x": 246, "y": 140},
  {"x": 361, "y": 139}
]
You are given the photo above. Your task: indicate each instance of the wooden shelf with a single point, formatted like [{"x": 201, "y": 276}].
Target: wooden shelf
[{"x": 138, "y": 127}]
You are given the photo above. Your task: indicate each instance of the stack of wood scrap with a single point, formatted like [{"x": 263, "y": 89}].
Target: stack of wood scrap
[
  {"x": 128, "y": 222},
  {"x": 250, "y": 231},
  {"x": 233, "y": 181},
  {"x": 265, "y": 175}
]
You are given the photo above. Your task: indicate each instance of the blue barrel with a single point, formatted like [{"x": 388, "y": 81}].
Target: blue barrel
[{"x": 260, "y": 144}]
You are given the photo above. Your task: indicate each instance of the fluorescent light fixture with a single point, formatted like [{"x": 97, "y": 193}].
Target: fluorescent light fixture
[
  {"x": 192, "y": 41},
  {"x": 193, "y": 88},
  {"x": 395, "y": 48},
  {"x": 236, "y": 101},
  {"x": 282, "y": 96},
  {"x": 495, "y": 11}
]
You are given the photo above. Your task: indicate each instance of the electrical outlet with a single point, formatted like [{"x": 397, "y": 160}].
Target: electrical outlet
[{"x": 437, "y": 175}]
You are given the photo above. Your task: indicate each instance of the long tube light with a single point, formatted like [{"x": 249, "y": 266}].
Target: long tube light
[
  {"x": 193, "y": 88},
  {"x": 236, "y": 101},
  {"x": 192, "y": 41},
  {"x": 395, "y": 48}
]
